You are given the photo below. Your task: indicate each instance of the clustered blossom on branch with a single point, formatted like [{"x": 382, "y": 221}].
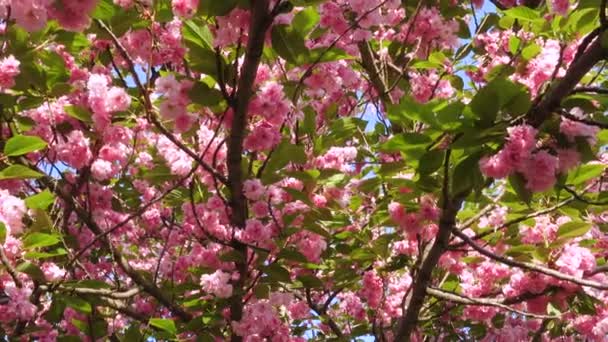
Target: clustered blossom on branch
[{"x": 303, "y": 170}]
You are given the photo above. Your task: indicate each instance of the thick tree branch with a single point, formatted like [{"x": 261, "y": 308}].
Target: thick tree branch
[
  {"x": 583, "y": 120},
  {"x": 579, "y": 68},
  {"x": 460, "y": 299},
  {"x": 596, "y": 90},
  {"x": 430, "y": 258},
  {"x": 109, "y": 293},
  {"x": 528, "y": 266},
  {"x": 123, "y": 263},
  {"x": 261, "y": 19},
  {"x": 515, "y": 221}
]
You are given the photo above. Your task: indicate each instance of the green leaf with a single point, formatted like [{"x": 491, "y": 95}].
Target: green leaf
[
  {"x": 485, "y": 105},
  {"x": 19, "y": 172},
  {"x": 35, "y": 240},
  {"x": 522, "y": 13},
  {"x": 573, "y": 229},
  {"x": 310, "y": 281},
  {"x": 167, "y": 325},
  {"x": 79, "y": 113},
  {"x": 514, "y": 44},
  {"x": 2, "y": 233},
  {"x": 197, "y": 33},
  {"x": 289, "y": 44},
  {"x": 104, "y": 10},
  {"x": 285, "y": 153},
  {"x": 291, "y": 255},
  {"x": 430, "y": 161},
  {"x": 518, "y": 183},
  {"x": 277, "y": 273},
  {"x": 45, "y": 255},
  {"x": 202, "y": 94},
  {"x": 41, "y": 200},
  {"x": 32, "y": 270},
  {"x": 204, "y": 60},
  {"x": 467, "y": 175},
  {"x": 78, "y": 304},
  {"x": 407, "y": 141},
  {"x": 531, "y": 51},
  {"x": 22, "y": 144},
  {"x": 585, "y": 173},
  {"x": 305, "y": 20},
  {"x": 216, "y": 7}
]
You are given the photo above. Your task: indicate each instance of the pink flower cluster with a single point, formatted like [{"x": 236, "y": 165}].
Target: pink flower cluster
[
  {"x": 573, "y": 129},
  {"x": 413, "y": 222},
  {"x": 19, "y": 307},
  {"x": 260, "y": 321},
  {"x": 9, "y": 69},
  {"x": 337, "y": 158},
  {"x": 575, "y": 260},
  {"x": 372, "y": 289},
  {"x": 105, "y": 100},
  {"x": 184, "y": 8},
  {"x": 74, "y": 150},
  {"x": 538, "y": 168},
  {"x": 430, "y": 30},
  {"x": 543, "y": 231},
  {"x": 217, "y": 283},
  {"x": 175, "y": 101},
  {"x": 32, "y": 15},
  {"x": 232, "y": 28},
  {"x": 12, "y": 211},
  {"x": 429, "y": 85}
]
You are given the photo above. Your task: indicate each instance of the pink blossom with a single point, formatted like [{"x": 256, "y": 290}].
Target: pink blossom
[
  {"x": 102, "y": 169},
  {"x": 540, "y": 171},
  {"x": 263, "y": 137},
  {"x": 544, "y": 230},
  {"x": 575, "y": 260},
  {"x": 495, "y": 166},
  {"x": 496, "y": 218},
  {"x": 337, "y": 158},
  {"x": 75, "y": 150},
  {"x": 9, "y": 68},
  {"x": 253, "y": 189},
  {"x": 20, "y": 305},
  {"x": 372, "y": 289},
  {"x": 184, "y": 8},
  {"x": 30, "y": 14},
  {"x": 560, "y": 6},
  {"x": 12, "y": 211},
  {"x": 568, "y": 159},
  {"x": 118, "y": 100},
  {"x": 52, "y": 272},
  {"x": 256, "y": 231},
  {"x": 311, "y": 246},
  {"x": 427, "y": 86},
  {"x": 572, "y": 129},
  {"x": 217, "y": 283}
]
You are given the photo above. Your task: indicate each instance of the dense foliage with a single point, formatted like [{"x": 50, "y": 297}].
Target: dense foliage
[{"x": 291, "y": 170}]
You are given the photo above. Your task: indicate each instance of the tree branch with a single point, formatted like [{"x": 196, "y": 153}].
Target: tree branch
[
  {"x": 261, "y": 19},
  {"x": 529, "y": 266},
  {"x": 447, "y": 222},
  {"x": 552, "y": 99},
  {"x": 149, "y": 108},
  {"x": 460, "y": 299},
  {"x": 123, "y": 263}
]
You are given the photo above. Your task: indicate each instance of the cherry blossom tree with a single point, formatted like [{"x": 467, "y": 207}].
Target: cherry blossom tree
[{"x": 294, "y": 170}]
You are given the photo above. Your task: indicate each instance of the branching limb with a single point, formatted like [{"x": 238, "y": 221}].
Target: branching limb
[
  {"x": 529, "y": 266},
  {"x": 460, "y": 299}
]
